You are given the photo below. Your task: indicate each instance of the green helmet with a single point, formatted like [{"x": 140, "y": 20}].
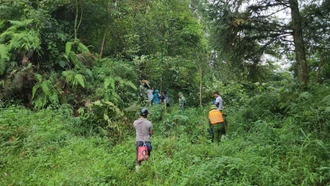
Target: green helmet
[{"x": 180, "y": 93}]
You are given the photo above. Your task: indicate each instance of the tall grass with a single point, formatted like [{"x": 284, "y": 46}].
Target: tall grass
[{"x": 274, "y": 145}]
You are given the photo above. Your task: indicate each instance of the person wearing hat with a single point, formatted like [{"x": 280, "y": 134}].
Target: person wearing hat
[
  {"x": 156, "y": 99},
  {"x": 182, "y": 101},
  {"x": 144, "y": 89},
  {"x": 216, "y": 123},
  {"x": 143, "y": 128}
]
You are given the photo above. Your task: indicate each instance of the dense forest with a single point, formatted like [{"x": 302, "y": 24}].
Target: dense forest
[{"x": 70, "y": 72}]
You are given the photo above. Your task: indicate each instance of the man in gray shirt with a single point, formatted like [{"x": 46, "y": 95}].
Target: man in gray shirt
[{"x": 143, "y": 129}]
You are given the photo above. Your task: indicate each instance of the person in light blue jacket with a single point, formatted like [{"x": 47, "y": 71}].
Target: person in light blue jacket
[{"x": 156, "y": 99}]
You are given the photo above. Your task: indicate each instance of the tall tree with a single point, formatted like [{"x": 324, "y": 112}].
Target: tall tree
[
  {"x": 298, "y": 42},
  {"x": 315, "y": 17},
  {"x": 243, "y": 33}
]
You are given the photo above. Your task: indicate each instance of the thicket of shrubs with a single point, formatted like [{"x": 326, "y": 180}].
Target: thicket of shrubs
[{"x": 277, "y": 137}]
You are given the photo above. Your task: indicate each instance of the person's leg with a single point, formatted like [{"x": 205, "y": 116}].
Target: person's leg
[
  {"x": 212, "y": 133},
  {"x": 149, "y": 148},
  {"x": 216, "y": 133},
  {"x": 137, "y": 163},
  {"x": 222, "y": 130}
]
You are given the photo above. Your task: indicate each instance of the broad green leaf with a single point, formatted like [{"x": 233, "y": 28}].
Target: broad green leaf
[
  {"x": 98, "y": 103},
  {"x": 89, "y": 73},
  {"x": 68, "y": 47},
  {"x": 62, "y": 63},
  {"x": 34, "y": 90},
  {"x": 129, "y": 83},
  {"x": 82, "y": 48},
  {"x": 45, "y": 88},
  {"x": 80, "y": 79},
  {"x": 39, "y": 77},
  {"x": 67, "y": 73}
]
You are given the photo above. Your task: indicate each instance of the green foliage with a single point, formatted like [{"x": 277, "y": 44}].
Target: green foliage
[
  {"x": 74, "y": 78},
  {"x": 44, "y": 92},
  {"x": 81, "y": 132},
  {"x": 267, "y": 154},
  {"x": 103, "y": 117},
  {"x": 114, "y": 82},
  {"x": 3, "y": 58},
  {"x": 170, "y": 73}
]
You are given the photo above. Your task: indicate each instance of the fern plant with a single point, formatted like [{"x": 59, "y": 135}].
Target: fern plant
[
  {"x": 113, "y": 82},
  {"x": 74, "y": 79},
  {"x": 104, "y": 117},
  {"x": 73, "y": 51},
  {"x": 21, "y": 36},
  {"x": 44, "y": 92},
  {"x": 4, "y": 56}
]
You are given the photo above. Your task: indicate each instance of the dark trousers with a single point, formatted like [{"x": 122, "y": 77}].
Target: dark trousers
[
  {"x": 218, "y": 131},
  {"x": 140, "y": 143}
]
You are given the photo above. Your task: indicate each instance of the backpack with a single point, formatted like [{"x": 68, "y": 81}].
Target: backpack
[
  {"x": 215, "y": 117},
  {"x": 143, "y": 153}
]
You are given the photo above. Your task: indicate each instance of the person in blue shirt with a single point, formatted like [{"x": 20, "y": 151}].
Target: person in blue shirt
[{"x": 156, "y": 99}]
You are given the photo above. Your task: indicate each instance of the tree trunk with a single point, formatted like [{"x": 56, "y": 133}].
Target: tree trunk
[
  {"x": 105, "y": 33},
  {"x": 81, "y": 14},
  {"x": 299, "y": 43},
  {"x": 319, "y": 70},
  {"x": 200, "y": 84},
  {"x": 76, "y": 22},
  {"x": 103, "y": 40}
]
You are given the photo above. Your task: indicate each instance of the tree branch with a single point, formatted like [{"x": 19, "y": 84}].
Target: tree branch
[
  {"x": 76, "y": 21},
  {"x": 266, "y": 16},
  {"x": 81, "y": 14}
]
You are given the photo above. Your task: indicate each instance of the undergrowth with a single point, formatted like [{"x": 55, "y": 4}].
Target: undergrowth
[{"x": 278, "y": 137}]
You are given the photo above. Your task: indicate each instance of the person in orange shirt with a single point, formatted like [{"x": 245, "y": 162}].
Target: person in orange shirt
[{"x": 217, "y": 123}]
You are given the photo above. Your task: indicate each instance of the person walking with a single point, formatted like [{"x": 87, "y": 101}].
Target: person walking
[
  {"x": 156, "y": 99},
  {"x": 182, "y": 101},
  {"x": 216, "y": 123},
  {"x": 218, "y": 101},
  {"x": 144, "y": 130},
  {"x": 144, "y": 85},
  {"x": 150, "y": 96},
  {"x": 164, "y": 99}
]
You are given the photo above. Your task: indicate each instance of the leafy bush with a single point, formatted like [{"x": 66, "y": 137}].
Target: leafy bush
[{"x": 273, "y": 146}]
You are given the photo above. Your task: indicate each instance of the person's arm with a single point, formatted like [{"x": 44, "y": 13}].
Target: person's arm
[
  {"x": 148, "y": 84},
  {"x": 220, "y": 104},
  {"x": 216, "y": 102},
  {"x": 150, "y": 129}
]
